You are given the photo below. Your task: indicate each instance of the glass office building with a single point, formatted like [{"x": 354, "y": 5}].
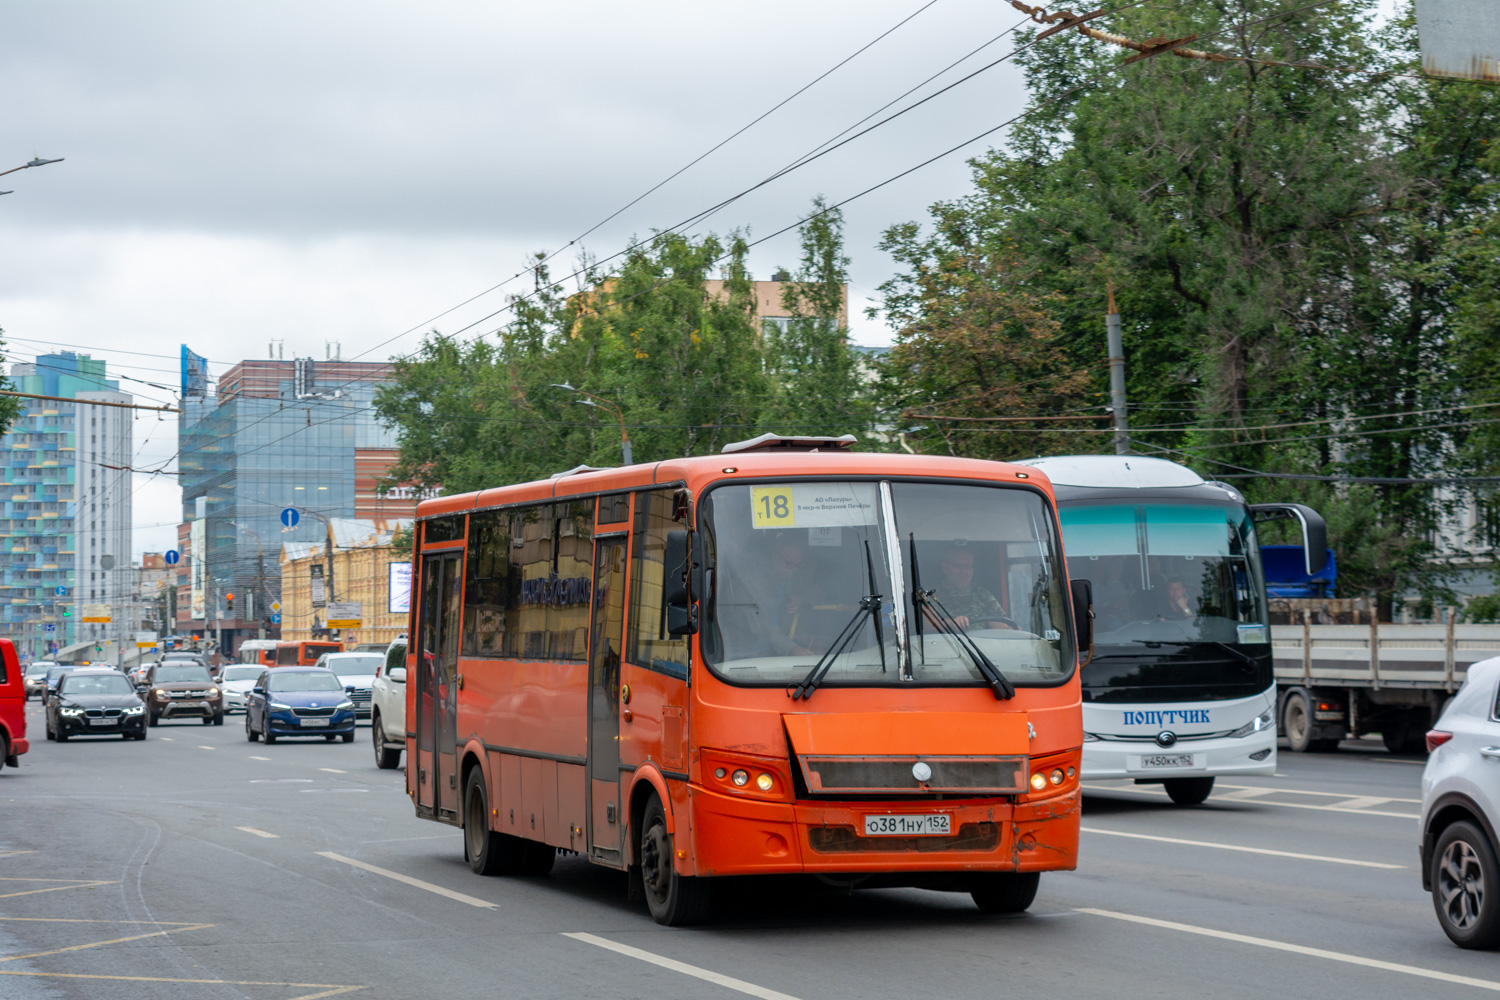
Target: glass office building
[
  {"x": 267, "y": 436},
  {"x": 65, "y": 503}
]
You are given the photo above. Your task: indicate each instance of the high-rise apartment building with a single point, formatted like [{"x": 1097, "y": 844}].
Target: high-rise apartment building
[
  {"x": 66, "y": 489},
  {"x": 267, "y": 436}
]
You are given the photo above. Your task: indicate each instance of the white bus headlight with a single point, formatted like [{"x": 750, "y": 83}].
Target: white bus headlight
[{"x": 1261, "y": 722}]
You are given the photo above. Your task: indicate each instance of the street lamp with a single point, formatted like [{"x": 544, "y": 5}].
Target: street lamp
[
  {"x": 35, "y": 161},
  {"x": 597, "y": 402}
]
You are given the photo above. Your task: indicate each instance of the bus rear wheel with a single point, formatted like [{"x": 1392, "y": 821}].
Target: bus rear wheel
[
  {"x": 674, "y": 900},
  {"x": 1005, "y": 892},
  {"x": 1188, "y": 791},
  {"x": 486, "y": 851}
]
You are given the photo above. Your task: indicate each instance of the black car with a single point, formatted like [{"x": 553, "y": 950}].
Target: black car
[{"x": 95, "y": 701}]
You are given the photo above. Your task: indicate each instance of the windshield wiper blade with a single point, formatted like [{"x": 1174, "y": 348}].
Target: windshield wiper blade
[
  {"x": 923, "y": 599},
  {"x": 868, "y": 605}
]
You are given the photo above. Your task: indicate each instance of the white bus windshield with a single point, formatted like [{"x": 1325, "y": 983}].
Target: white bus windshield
[
  {"x": 1166, "y": 572},
  {"x": 792, "y": 562}
]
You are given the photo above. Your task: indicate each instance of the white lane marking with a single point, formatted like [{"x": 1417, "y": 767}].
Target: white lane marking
[
  {"x": 1297, "y": 949},
  {"x": 259, "y": 758},
  {"x": 1329, "y": 795},
  {"x": 281, "y": 781},
  {"x": 1393, "y": 760},
  {"x": 207, "y": 748},
  {"x": 1279, "y": 805},
  {"x": 460, "y": 897},
  {"x": 166, "y": 739},
  {"x": 728, "y": 982},
  {"x": 1241, "y": 794},
  {"x": 1362, "y": 802},
  {"x": 259, "y": 833},
  {"x": 1237, "y": 847},
  {"x": 332, "y": 770}
]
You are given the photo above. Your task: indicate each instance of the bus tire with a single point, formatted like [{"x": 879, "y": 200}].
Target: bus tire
[
  {"x": 674, "y": 900},
  {"x": 536, "y": 859},
  {"x": 1188, "y": 791},
  {"x": 1006, "y": 892},
  {"x": 486, "y": 851}
]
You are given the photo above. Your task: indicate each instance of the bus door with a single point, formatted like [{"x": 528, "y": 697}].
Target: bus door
[
  {"x": 437, "y": 687},
  {"x": 606, "y": 822}
]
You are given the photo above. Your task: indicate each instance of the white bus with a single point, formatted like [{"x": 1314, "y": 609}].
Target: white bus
[{"x": 1180, "y": 688}]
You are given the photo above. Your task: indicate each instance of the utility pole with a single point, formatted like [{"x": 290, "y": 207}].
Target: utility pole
[{"x": 1116, "y": 373}]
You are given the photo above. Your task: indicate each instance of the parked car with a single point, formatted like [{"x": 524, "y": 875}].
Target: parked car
[
  {"x": 13, "y": 741},
  {"x": 178, "y": 688},
  {"x": 1461, "y": 809},
  {"x": 36, "y": 677},
  {"x": 299, "y": 701},
  {"x": 357, "y": 672},
  {"x": 95, "y": 701},
  {"x": 235, "y": 683},
  {"x": 388, "y": 707}
]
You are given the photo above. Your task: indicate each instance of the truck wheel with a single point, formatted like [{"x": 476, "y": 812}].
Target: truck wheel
[
  {"x": 1406, "y": 733},
  {"x": 1188, "y": 791},
  {"x": 1006, "y": 892},
  {"x": 1297, "y": 726},
  {"x": 674, "y": 900}
]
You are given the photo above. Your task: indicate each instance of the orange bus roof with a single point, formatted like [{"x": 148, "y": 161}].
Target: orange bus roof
[{"x": 700, "y": 471}]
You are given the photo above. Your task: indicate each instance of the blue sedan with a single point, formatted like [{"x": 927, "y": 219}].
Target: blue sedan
[{"x": 291, "y": 701}]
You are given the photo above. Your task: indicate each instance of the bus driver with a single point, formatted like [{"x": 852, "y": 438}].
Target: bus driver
[{"x": 968, "y": 603}]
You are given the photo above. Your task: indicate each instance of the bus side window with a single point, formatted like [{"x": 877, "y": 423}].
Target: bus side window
[
  {"x": 571, "y": 581},
  {"x": 649, "y": 645},
  {"x": 487, "y": 583}
]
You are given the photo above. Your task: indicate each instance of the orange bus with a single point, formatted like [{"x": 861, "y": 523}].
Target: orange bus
[
  {"x": 302, "y": 652},
  {"x": 785, "y": 659}
]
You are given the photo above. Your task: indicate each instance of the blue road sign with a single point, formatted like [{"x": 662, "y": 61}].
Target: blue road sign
[
  {"x": 276, "y": 619},
  {"x": 49, "y": 628},
  {"x": 172, "y": 556},
  {"x": 290, "y": 517},
  {"x": 60, "y": 591}
]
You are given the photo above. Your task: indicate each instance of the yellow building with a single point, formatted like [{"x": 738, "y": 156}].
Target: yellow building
[{"x": 362, "y": 573}]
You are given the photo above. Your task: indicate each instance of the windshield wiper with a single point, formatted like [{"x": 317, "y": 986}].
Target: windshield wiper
[
  {"x": 868, "y": 605},
  {"x": 923, "y": 599}
]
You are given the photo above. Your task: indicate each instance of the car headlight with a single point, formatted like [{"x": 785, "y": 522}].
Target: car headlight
[
  {"x": 135, "y": 710},
  {"x": 160, "y": 692},
  {"x": 278, "y": 706},
  {"x": 71, "y": 712},
  {"x": 346, "y": 704},
  {"x": 1264, "y": 720},
  {"x": 213, "y": 692}
]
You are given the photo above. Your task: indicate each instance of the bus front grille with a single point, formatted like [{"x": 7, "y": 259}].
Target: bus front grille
[
  {"x": 865, "y": 775},
  {"x": 845, "y": 840}
]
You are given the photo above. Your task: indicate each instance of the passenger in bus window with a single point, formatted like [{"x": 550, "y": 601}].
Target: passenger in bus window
[
  {"x": 776, "y": 594},
  {"x": 970, "y": 604}
]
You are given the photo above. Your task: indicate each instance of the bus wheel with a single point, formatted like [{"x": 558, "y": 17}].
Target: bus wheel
[
  {"x": 1188, "y": 791},
  {"x": 488, "y": 852},
  {"x": 674, "y": 900},
  {"x": 1006, "y": 892}
]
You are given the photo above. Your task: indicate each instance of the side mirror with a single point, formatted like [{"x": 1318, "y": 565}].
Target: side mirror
[
  {"x": 348, "y": 688},
  {"x": 1082, "y": 592},
  {"x": 258, "y": 690},
  {"x": 1314, "y": 530},
  {"x": 397, "y": 675},
  {"x": 682, "y": 577}
]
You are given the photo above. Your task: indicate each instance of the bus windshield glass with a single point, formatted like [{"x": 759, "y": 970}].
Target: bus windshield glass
[
  {"x": 1172, "y": 573},
  {"x": 791, "y": 565}
]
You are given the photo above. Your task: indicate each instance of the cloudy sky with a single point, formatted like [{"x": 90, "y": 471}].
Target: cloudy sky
[{"x": 326, "y": 171}]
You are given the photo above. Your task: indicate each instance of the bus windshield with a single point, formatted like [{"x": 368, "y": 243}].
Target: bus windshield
[
  {"x": 1168, "y": 572},
  {"x": 791, "y": 563}
]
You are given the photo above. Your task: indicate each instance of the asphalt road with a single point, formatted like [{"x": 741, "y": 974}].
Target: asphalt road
[{"x": 199, "y": 865}]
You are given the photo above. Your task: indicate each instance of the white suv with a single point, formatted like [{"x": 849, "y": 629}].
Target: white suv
[
  {"x": 388, "y": 707},
  {"x": 1460, "y": 807}
]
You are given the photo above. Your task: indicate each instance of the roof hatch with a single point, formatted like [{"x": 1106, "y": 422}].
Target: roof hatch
[{"x": 782, "y": 442}]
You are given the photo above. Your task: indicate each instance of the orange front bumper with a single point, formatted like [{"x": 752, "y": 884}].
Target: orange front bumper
[{"x": 734, "y": 835}]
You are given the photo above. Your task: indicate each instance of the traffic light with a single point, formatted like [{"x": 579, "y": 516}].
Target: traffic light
[
  {"x": 66, "y": 613},
  {"x": 229, "y": 604}
]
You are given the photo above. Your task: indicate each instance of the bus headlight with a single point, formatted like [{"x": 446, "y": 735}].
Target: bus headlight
[
  {"x": 740, "y": 777},
  {"x": 1261, "y": 722},
  {"x": 1038, "y": 781},
  {"x": 764, "y": 782}
]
